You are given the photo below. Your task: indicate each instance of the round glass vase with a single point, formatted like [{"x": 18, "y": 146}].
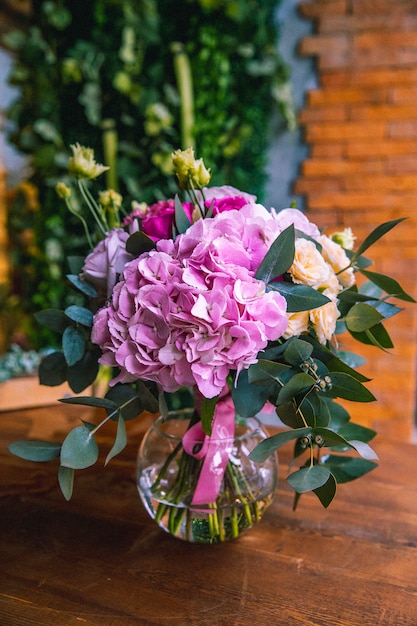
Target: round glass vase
[{"x": 167, "y": 477}]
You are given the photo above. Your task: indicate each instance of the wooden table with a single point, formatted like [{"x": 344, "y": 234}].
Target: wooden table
[{"x": 99, "y": 560}]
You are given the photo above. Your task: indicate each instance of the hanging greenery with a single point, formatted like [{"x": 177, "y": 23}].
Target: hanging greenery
[{"x": 133, "y": 79}]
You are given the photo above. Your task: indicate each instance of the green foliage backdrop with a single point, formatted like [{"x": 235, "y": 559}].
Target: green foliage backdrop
[{"x": 105, "y": 73}]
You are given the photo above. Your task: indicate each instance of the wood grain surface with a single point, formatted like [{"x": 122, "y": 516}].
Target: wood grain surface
[{"x": 99, "y": 560}]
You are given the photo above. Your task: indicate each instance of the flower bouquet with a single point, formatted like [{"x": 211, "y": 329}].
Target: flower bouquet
[{"x": 211, "y": 301}]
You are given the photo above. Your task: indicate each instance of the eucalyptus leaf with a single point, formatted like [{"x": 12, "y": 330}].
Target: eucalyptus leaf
[
  {"x": 375, "y": 336},
  {"x": 66, "y": 481},
  {"x": 249, "y": 399},
  {"x": 84, "y": 372},
  {"x": 327, "y": 492},
  {"x": 376, "y": 234},
  {"x": 388, "y": 284},
  {"x": 347, "y": 468},
  {"x": 35, "y": 450},
  {"x": 75, "y": 263},
  {"x": 79, "y": 449},
  {"x": 279, "y": 257},
  {"x": 103, "y": 403},
  {"x": 138, "y": 243},
  {"x": 54, "y": 319},
  {"x": 299, "y": 297},
  {"x": 297, "y": 351},
  {"x": 361, "y": 317},
  {"x": 308, "y": 478},
  {"x": 349, "y": 388},
  {"x": 53, "y": 370},
  {"x": 82, "y": 285},
  {"x": 268, "y": 446},
  {"x": 79, "y": 314},
  {"x": 299, "y": 383},
  {"x": 263, "y": 371},
  {"x": 120, "y": 441},
  {"x": 182, "y": 223},
  {"x": 73, "y": 345}
]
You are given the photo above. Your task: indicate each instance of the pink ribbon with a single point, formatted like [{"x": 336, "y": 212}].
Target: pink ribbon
[{"x": 215, "y": 449}]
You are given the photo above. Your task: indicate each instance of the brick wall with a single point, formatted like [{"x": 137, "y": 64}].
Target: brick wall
[{"x": 361, "y": 128}]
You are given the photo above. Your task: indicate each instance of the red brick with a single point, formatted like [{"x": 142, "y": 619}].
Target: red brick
[
  {"x": 403, "y": 94},
  {"x": 333, "y": 50},
  {"x": 348, "y": 95},
  {"x": 316, "y": 167},
  {"x": 333, "y": 113},
  {"x": 365, "y": 150},
  {"x": 317, "y": 8},
  {"x": 401, "y": 164},
  {"x": 382, "y": 6},
  {"x": 345, "y": 131},
  {"x": 383, "y": 112},
  {"x": 403, "y": 130},
  {"x": 328, "y": 150},
  {"x": 367, "y": 22}
]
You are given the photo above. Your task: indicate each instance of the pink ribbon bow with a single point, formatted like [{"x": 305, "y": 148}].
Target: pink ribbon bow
[{"x": 215, "y": 449}]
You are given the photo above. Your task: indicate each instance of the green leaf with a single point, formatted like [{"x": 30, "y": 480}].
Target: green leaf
[
  {"x": 80, "y": 314},
  {"x": 128, "y": 402},
  {"x": 388, "y": 284},
  {"x": 361, "y": 317},
  {"x": 289, "y": 416},
  {"x": 346, "y": 468},
  {"x": 54, "y": 319},
  {"x": 66, "y": 481},
  {"x": 299, "y": 297},
  {"x": 297, "y": 351},
  {"x": 364, "y": 450},
  {"x": 207, "y": 412},
  {"x": 75, "y": 264},
  {"x": 53, "y": 370},
  {"x": 299, "y": 383},
  {"x": 352, "y": 431},
  {"x": 375, "y": 336},
  {"x": 308, "y": 478},
  {"x": 73, "y": 345},
  {"x": 327, "y": 492},
  {"x": 82, "y": 285},
  {"x": 338, "y": 365},
  {"x": 249, "y": 399},
  {"x": 182, "y": 223},
  {"x": 79, "y": 449},
  {"x": 347, "y": 387},
  {"x": 102, "y": 403},
  {"x": 263, "y": 371},
  {"x": 376, "y": 234},
  {"x": 138, "y": 243},
  {"x": 83, "y": 373},
  {"x": 279, "y": 257},
  {"x": 120, "y": 441},
  {"x": 265, "y": 448},
  {"x": 35, "y": 450}
]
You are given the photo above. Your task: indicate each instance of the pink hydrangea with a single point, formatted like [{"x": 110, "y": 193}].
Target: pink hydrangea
[{"x": 191, "y": 311}]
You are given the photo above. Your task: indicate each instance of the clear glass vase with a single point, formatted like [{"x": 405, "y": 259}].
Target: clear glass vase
[{"x": 167, "y": 477}]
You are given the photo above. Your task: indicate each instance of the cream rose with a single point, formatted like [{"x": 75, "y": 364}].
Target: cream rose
[
  {"x": 337, "y": 258},
  {"x": 297, "y": 324},
  {"x": 309, "y": 267},
  {"x": 324, "y": 318}
]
